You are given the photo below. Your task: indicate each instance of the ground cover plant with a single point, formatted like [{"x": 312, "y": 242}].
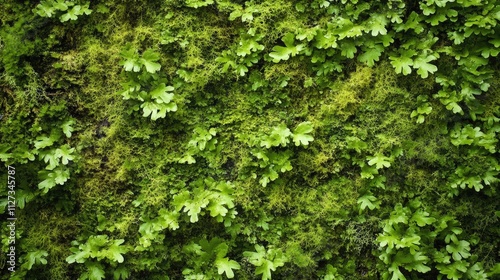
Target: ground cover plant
[{"x": 230, "y": 139}]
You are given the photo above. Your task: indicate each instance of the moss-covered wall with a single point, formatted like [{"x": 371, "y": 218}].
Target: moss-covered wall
[{"x": 201, "y": 139}]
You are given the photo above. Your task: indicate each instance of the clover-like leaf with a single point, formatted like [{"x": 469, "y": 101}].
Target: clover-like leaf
[
  {"x": 168, "y": 219},
  {"x": 45, "y": 9},
  {"x": 65, "y": 153},
  {"x": 34, "y": 257},
  {"x": 369, "y": 201},
  {"x": 149, "y": 60},
  {"x": 52, "y": 178},
  {"x": 368, "y": 172},
  {"x": 280, "y": 53},
  {"x": 161, "y": 93},
  {"x": 62, "y": 5},
  {"x": 454, "y": 271},
  {"x": 348, "y": 48},
  {"x": 115, "y": 251},
  {"x": 225, "y": 265},
  {"x": 51, "y": 157},
  {"x": 198, "y": 3},
  {"x": 301, "y": 134},
  {"x": 192, "y": 203},
  {"x": 424, "y": 67},
  {"x": 459, "y": 250},
  {"x": 279, "y": 136},
  {"x": 67, "y": 127},
  {"x": 157, "y": 110},
  {"x": 95, "y": 271},
  {"x": 43, "y": 142},
  {"x": 377, "y": 24},
  {"x": 283, "y": 53},
  {"x": 248, "y": 45},
  {"x": 402, "y": 63},
  {"x": 356, "y": 144},
  {"x": 379, "y": 160},
  {"x": 422, "y": 218},
  {"x": 71, "y": 14},
  {"x": 4, "y": 155},
  {"x": 120, "y": 273},
  {"x": 371, "y": 55},
  {"x": 131, "y": 59}
]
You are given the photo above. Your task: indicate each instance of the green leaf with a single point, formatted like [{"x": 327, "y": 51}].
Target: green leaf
[
  {"x": 228, "y": 60},
  {"x": 61, "y": 5},
  {"x": 280, "y": 53},
  {"x": 459, "y": 250},
  {"x": 300, "y": 7},
  {"x": 377, "y": 24},
  {"x": 476, "y": 272},
  {"x": 283, "y": 53},
  {"x": 188, "y": 158},
  {"x": 256, "y": 257},
  {"x": 169, "y": 219},
  {"x": 248, "y": 45},
  {"x": 217, "y": 209},
  {"x": 279, "y": 136},
  {"x": 157, "y": 110},
  {"x": 67, "y": 127},
  {"x": 149, "y": 60},
  {"x": 224, "y": 265},
  {"x": 422, "y": 218},
  {"x": 45, "y": 9},
  {"x": 43, "y": 142},
  {"x": 52, "y": 178},
  {"x": 160, "y": 93},
  {"x": 495, "y": 270},
  {"x": 379, "y": 160},
  {"x": 402, "y": 63},
  {"x": 65, "y": 154},
  {"x": 95, "y": 271},
  {"x": 192, "y": 203},
  {"x": 4, "y": 155},
  {"x": 72, "y": 14},
  {"x": 78, "y": 256},
  {"x": 424, "y": 67},
  {"x": 265, "y": 269},
  {"x": 436, "y": 19},
  {"x": 301, "y": 134},
  {"x": 367, "y": 172},
  {"x": 424, "y": 109},
  {"x": 120, "y": 273},
  {"x": 371, "y": 55},
  {"x": 454, "y": 270},
  {"x": 35, "y": 257},
  {"x": 369, "y": 201},
  {"x": 51, "y": 157},
  {"x": 131, "y": 59},
  {"x": 23, "y": 197},
  {"x": 413, "y": 22},
  {"x": 399, "y": 215},
  {"x": 356, "y": 144},
  {"x": 269, "y": 175},
  {"x": 416, "y": 262},
  {"x": 388, "y": 240},
  {"x": 198, "y": 3},
  {"x": 115, "y": 251},
  {"x": 348, "y": 48},
  {"x": 265, "y": 261}
]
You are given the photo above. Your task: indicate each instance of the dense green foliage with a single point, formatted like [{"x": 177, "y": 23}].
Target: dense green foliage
[{"x": 214, "y": 139}]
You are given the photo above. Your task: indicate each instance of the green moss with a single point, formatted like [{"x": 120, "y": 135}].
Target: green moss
[{"x": 127, "y": 167}]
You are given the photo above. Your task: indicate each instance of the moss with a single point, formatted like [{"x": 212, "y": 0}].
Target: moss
[
  {"x": 53, "y": 233},
  {"x": 127, "y": 167}
]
